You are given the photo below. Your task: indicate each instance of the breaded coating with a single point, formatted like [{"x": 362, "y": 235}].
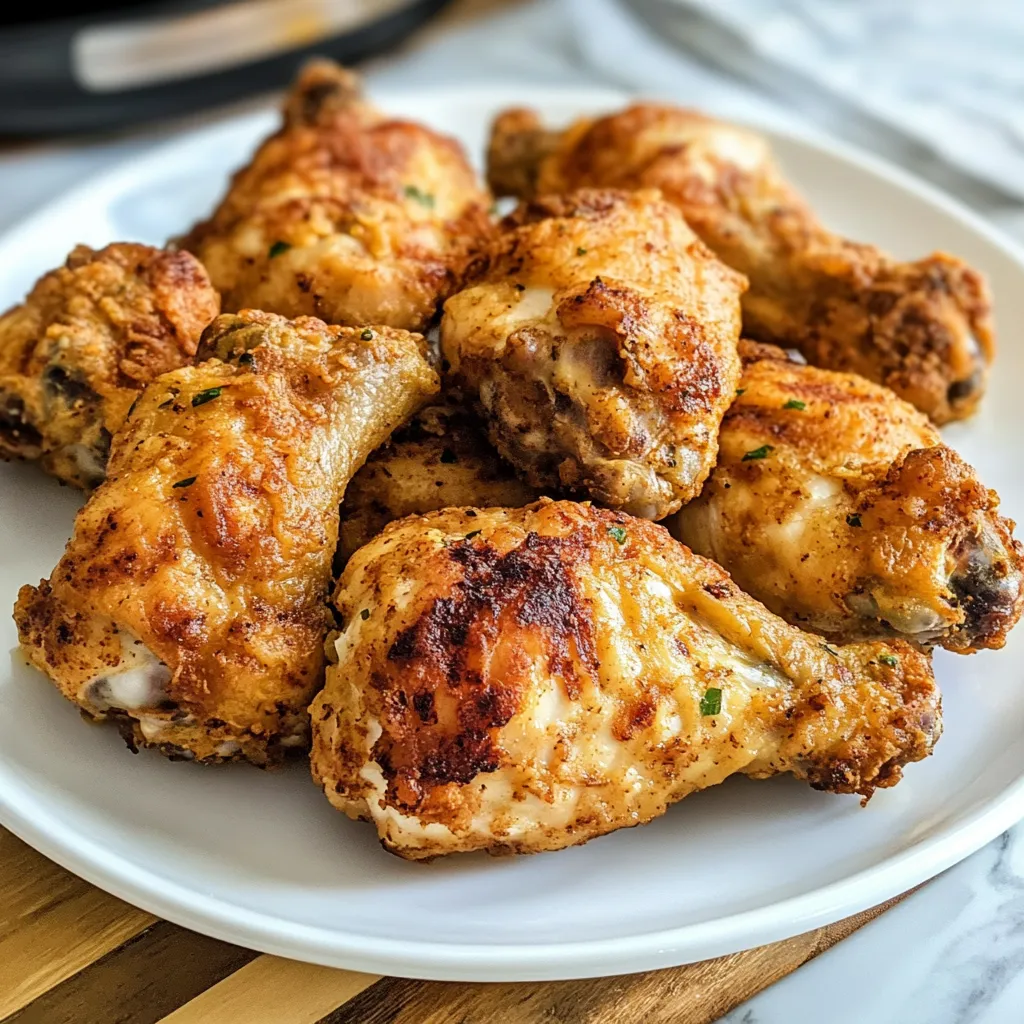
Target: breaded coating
[
  {"x": 599, "y": 334},
  {"x": 923, "y": 329},
  {"x": 567, "y": 671},
  {"x": 88, "y": 337},
  {"x": 190, "y": 603},
  {"x": 440, "y": 458},
  {"x": 837, "y": 505},
  {"x": 344, "y": 213}
]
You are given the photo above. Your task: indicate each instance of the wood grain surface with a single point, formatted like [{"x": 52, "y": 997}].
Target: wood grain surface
[{"x": 71, "y": 954}]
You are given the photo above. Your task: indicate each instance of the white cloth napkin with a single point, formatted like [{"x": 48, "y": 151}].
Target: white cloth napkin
[
  {"x": 949, "y": 73},
  {"x": 908, "y": 78}
]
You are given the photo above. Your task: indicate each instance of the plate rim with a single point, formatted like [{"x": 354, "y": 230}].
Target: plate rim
[{"x": 448, "y": 961}]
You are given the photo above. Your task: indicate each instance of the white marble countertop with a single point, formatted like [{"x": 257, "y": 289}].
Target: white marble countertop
[{"x": 953, "y": 952}]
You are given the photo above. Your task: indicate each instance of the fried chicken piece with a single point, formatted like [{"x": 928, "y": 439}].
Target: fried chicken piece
[
  {"x": 439, "y": 459},
  {"x": 344, "y": 213},
  {"x": 569, "y": 671},
  {"x": 599, "y": 335},
  {"x": 86, "y": 340},
  {"x": 837, "y": 505},
  {"x": 923, "y": 328},
  {"x": 190, "y": 603}
]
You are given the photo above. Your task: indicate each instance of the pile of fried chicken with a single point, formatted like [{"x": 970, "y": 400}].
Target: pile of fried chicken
[{"x": 663, "y": 501}]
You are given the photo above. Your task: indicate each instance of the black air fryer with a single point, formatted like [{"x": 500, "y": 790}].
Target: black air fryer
[{"x": 109, "y": 64}]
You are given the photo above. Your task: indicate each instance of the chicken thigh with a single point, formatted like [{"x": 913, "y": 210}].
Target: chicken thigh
[
  {"x": 190, "y": 603},
  {"x": 345, "y": 213},
  {"x": 837, "y": 505},
  {"x": 599, "y": 334},
  {"x": 440, "y": 458},
  {"x": 525, "y": 680},
  {"x": 86, "y": 340},
  {"x": 923, "y": 328}
]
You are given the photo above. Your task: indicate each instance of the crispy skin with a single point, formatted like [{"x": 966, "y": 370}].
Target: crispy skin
[
  {"x": 439, "y": 459},
  {"x": 88, "y": 337},
  {"x": 858, "y": 521},
  {"x": 541, "y": 683},
  {"x": 923, "y": 328},
  {"x": 344, "y": 213},
  {"x": 599, "y": 335},
  {"x": 191, "y": 600}
]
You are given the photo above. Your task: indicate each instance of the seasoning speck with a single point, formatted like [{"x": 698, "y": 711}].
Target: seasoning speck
[
  {"x": 277, "y": 248},
  {"x": 758, "y": 453},
  {"x": 421, "y": 197},
  {"x": 205, "y": 396},
  {"x": 187, "y": 482},
  {"x": 711, "y": 702}
]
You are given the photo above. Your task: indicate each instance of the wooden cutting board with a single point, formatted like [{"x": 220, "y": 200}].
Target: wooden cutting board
[{"x": 71, "y": 954}]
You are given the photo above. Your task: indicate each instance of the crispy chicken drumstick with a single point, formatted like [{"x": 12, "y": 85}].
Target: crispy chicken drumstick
[
  {"x": 345, "y": 213},
  {"x": 922, "y": 328},
  {"x": 525, "y": 680},
  {"x": 837, "y": 505},
  {"x": 598, "y": 334},
  {"x": 190, "y": 603},
  {"x": 86, "y": 340}
]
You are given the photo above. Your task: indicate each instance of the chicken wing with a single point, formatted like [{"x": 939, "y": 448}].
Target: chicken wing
[
  {"x": 439, "y": 459},
  {"x": 837, "y": 505},
  {"x": 525, "y": 680},
  {"x": 923, "y": 329},
  {"x": 86, "y": 340},
  {"x": 345, "y": 213},
  {"x": 599, "y": 336},
  {"x": 190, "y": 603}
]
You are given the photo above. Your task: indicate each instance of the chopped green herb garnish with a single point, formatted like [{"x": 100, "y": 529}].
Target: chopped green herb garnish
[
  {"x": 830, "y": 650},
  {"x": 206, "y": 396},
  {"x": 364, "y": 614},
  {"x": 424, "y": 198},
  {"x": 187, "y": 482},
  {"x": 367, "y": 335},
  {"x": 245, "y": 359},
  {"x": 739, "y": 391},
  {"x": 889, "y": 659},
  {"x": 580, "y": 251},
  {"x": 277, "y": 248},
  {"x": 448, "y": 456},
  {"x": 795, "y": 403},
  {"x": 472, "y": 534},
  {"x": 134, "y": 405},
  {"x": 758, "y": 453},
  {"x": 711, "y": 702},
  {"x": 617, "y": 533},
  {"x": 853, "y": 519}
]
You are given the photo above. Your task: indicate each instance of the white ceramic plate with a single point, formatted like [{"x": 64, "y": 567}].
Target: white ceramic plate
[{"x": 260, "y": 858}]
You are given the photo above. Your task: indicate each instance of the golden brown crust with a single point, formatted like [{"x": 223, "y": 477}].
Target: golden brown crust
[
  {"x": 923, "y": 328},
  {"x": 524, "y": 680},
  {"x": 599, "y": 335},
  {"x": 439, "y": 459},
  {"x": 836, "y": 504},
  {"x": 344, "y": 213},
  {"x": 88, "y": 337},
  {"x": 208, "y": 549}
]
